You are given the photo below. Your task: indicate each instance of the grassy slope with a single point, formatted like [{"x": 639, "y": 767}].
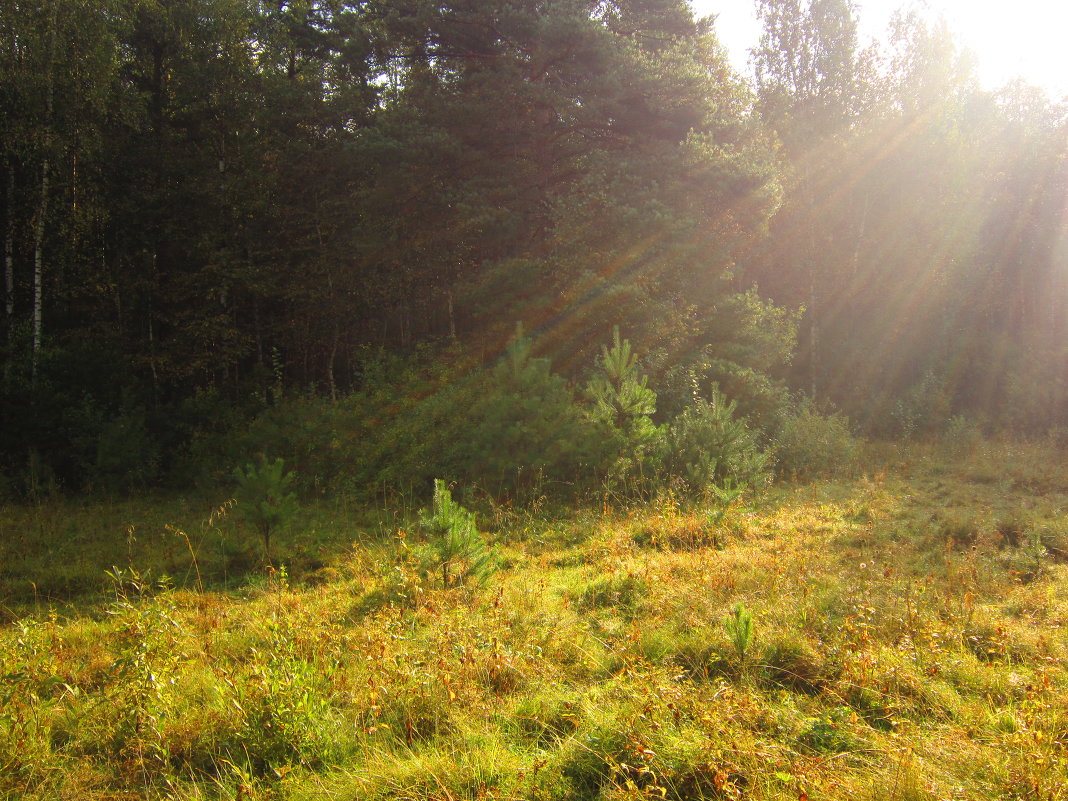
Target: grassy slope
[{"x": 909, "y": 643}]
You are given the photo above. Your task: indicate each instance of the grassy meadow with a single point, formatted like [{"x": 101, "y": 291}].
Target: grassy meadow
[{"x": 896, "y": 633}]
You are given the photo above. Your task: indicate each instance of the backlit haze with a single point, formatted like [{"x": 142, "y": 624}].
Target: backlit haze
[{"x": 1023, "y": 39}]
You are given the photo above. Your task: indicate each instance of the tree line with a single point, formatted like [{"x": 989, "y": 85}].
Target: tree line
[
  {"x": 925, "y": 225},
  {"x": 212, "y": 205}
]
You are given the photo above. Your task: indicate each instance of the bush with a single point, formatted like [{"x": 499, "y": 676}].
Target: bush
[
  {"x": 961, "y": 437},
  {"x": 263, "y": 497},
  {"x": 812, "y": 445},
  {"x": 284, "y": 717},
  {"x": 923, "y": 410},
  {"x": 622, "y": 591},
  {"x": 507, "y": 429},
  {"x": 324, "y": 443},
  {"x": 621, "y": 406},
  {"x": 456, "y": 548},
  {"x": 516, "y": 430},
  {"x": 510, "y": 428},
  {"x": 127, "y": 455},
  {"x": 792, "y": 663},
  {"x": 708, "y": 446}
]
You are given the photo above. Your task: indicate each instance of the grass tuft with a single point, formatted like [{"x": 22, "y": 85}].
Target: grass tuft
[{"x": 892, "y": 636}]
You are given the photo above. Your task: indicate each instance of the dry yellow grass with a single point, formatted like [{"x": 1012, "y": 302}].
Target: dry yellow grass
[{"x": 908, "y": 643}]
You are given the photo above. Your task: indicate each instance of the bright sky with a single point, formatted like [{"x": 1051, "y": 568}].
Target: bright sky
[{"x": 1024, "y": 38}]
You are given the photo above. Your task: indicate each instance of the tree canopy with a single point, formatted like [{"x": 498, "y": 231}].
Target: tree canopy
[{"x": 211, "y": 204}]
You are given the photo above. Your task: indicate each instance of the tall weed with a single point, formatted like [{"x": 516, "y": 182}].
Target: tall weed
[{"x": 285, "y": 718}]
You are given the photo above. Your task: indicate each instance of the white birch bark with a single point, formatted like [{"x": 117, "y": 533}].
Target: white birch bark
[
  {"x": 42, "y": 206},
  {"x": 9, "y": 252},
  {"x": 38, "y": 265}
]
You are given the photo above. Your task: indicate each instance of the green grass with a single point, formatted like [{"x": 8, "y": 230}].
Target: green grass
[{"x": 907, "y": 643}]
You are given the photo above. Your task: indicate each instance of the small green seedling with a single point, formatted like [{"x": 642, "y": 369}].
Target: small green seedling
[
  {"x": 263, "y": 497},
  {"x": 739, "y": 626}
]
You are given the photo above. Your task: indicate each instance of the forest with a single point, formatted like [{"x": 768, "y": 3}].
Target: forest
[
  {"x": 217, "y": 212},
  {"x": 509, "y": 400}
]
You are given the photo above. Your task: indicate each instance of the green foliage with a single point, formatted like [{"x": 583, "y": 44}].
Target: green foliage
[
  {"x": 739, "y": 627},
  {"x": 961, "y": 437},
  {"x": 127, "y": 454},
  {"x": 789, "y": 661},
  {"x": 514, "y": 430},
  {"x": 707, "y": 446},
  {"x": 147, "y": 666},
  {"x": 623, "y": 404},
  {"x": 591, "y": 763},
  {"x": 282, "y": 189},
  {"x": 455, "y": 548},
  {"x": 619, "y": 395},
  {"x": 284, "y": 716},
  {"x": 509, "y": 429},
  {"x": 264, "y": 499},
  {"x": 84, "y": 422},
  {"x": 625, "y": 592},
  {"x": 761, "y": 399},
  {"x": 811, "y": 445},
  {"x": 399, "y": 582},
  {"x": 924, "y": 409},
  {"x": 740, "y": 347},
  {"x": 828, "y": 734},
  {"x": 544, "y": 720},
  {"x": 323, "y": 442}
]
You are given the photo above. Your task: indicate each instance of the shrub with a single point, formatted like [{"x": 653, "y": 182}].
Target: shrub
[
  {"x": 924, "y": 409},
  {"x": 829, "y": 733},
  {"x": 544, "y": 720},
  {"x": 623, "y": 591},
  {"x": 507, "y": 428},
  {"x": 812, "y": 445},
  {"x": 961, "y": 437},
  {"x": 511, "y": 428},
  {"x": 735, "y": 346},
  {"x": 456, "y": 549},
  {"x": 739, "y": 628},
  {"x": 263, "y": 497},
  {"x": 324, "y": 443},
  {"x": 285, "y": 718},
  {"x": 1053, "y": 537},
  {"x": 708, "y": 446},
  {"x": 701, "y": 659},
  {"x": 619, "y": 395},
  {"x": 792, "y": 663},
  {"x": 622, "y": 404},
  {"x": 127, "y": 455}
]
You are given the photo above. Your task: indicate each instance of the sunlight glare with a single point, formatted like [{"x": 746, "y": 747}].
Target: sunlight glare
[{"x": 1022, "y": 40}]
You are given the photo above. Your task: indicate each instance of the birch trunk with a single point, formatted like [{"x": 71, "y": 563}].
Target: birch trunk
[
  {"x": 9, "y": 252},
  {"x": 42, "y": 205},
  {"x": 38, "y": 266}
]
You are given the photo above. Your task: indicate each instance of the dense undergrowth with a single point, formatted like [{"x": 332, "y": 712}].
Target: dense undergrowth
[{"x": 894, "y": 635}]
